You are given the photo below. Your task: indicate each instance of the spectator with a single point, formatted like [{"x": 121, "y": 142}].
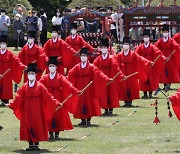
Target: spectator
[
  {"x": 4, "y": 23},
  {"x": 18, "y": 33},
  {"x": 57, "y": 21},
  {"x": 32, "y": 24},
  {"x": 21, "y": 9},
  {"x": 65, "y": 24},
  {"x": 112, "y": 22},
  {"x": 43, "y": 28}
]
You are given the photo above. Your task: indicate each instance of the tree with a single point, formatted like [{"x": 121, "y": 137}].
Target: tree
[
  {"x": 50, "y": 6},
  {"x": 10, "y": 4},
  {"x": 96, "y": 3}
]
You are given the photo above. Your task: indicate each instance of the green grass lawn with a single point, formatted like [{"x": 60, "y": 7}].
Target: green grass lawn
[{"x": 132, "y": 134}]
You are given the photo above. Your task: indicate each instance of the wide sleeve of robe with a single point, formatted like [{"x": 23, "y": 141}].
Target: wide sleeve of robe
[
  {"x": 41, "y": 59},
  {"x": 50, "y": 103},
  {"x": 175, "y": 101},
  {"x": 100, "y": 81},
  {"x": 17, "y": 104},
  {"x": 85, "y": 44},
  {"x": 68, "y": 89},
  {"x": 21, "y": 54},
  {"x": 67, "y": 53},
  {"x": 17, "y": 69},
  {"x": 176, "y": 47},
  {"x": 143, "y": 66}
]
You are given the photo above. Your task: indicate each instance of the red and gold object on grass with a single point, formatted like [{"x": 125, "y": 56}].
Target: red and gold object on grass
[{"x": 156, "y": 119}]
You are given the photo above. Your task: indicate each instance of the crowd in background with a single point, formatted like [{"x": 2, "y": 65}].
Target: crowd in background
[{"x": 25, "y": 22}]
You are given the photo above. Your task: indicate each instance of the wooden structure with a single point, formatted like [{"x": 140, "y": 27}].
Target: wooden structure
[
  {"x": 92, "y": 38},
  {"x": 148, "y": 14}
]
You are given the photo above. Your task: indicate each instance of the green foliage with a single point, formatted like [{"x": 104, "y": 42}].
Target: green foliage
[
  {"x": 50, "y": 6},
  {"x": 166, "y": 2},
  {"x": 95, "y": 3},
  {"x": 10, "y": 4}
]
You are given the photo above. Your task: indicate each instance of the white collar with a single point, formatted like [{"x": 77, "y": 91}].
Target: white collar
[
  {"x": 83, "y": 65},
  {"x": 54, "y": 40},
  {"x": 3, "y": 51},
  {"x": 30, "y": 45},
  {"x": 52, "y": 76},
  {"x": 73, "y": 36},
  {"x": 31, "y": 84},
  {"x": 105, "y": 56},
  {"x": 146, "y": 45},
  {"x": 165, "y": 39},
  {"x": 126, "y": 52}
]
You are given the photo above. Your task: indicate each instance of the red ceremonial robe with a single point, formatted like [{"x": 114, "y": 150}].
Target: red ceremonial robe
[
  {"x": 60, "y": 88},
  {"x": 9, "y": 61},
  {"x": 28, "y": 55},
  {"x": 109, "y": 67},
  {"x": 60, "y": 49},
  {"x": 129, "y": 89},
  {"x": 170, "y": 71},
  {"x": 77, "y": 43},
  {"x": 151, "y": 53},
  {"x": 175, "y": 100},
  {"x": 176, "y": 37},
  {"x": 88, "y": 103},
  {"x": 34, "y": 107}
]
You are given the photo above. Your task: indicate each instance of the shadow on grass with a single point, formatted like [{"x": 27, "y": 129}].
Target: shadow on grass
[
  {"x": 90, "y": 126},
  {"x": 130, "y": 107},
  {"x": 110, "y": 115},
  {"x": 33, "y": 151},
  {"x": 177, "y": 151},
  {"x": 63, "y": 139}
]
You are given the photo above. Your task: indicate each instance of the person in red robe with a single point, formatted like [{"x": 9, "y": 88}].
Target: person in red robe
[
  {"x": 150, "y": 52},
  {"x": 80, "y": 76},
  {"x": 58, "y": 47},
  {"x": 176, "y": 37},
  {"x": 32, "y": 53},
  {"x": 77, "y": 42},
  {"x": 175, "y": 101},
  {"x": 109, "y": 66},
  {"x": 60, "y": 88},
  {"x": 167, "y": 45},
  {"x": 130, "y": 62},
  {"x": 8, "y": 61},
  {"x": 34, "y": 107}
]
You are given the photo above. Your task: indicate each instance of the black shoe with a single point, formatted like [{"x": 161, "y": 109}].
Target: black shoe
[
  {"x": 145, "y": 96},
  {"x": 88, "y": 123},
  {"x": 110, "y": 112},
  {"x": 51, "y": 137},
  {"x": 36, "y": 147},
  {"x": 82, "y": 123},
  {"x": 125, "y": 105},
  {"x": 150, "y": 96},
  {"x": 105, "y": 113},
  {"x": 30, "y": 148},
  {"x": 57, "y": 135}
]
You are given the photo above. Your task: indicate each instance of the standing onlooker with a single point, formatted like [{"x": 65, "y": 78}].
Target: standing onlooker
[
  {"x": 57, "y": 21},
  {"x": 4, "y": 23},
  {"x": 43, "y": 30},
  {"x": 65, "y": 24},
  {"x": 31, "y": 22},
  {"x": 21, "y": 9},
  {"x": 112, "y": 23},
  {"x": 18, "y": 33}
]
